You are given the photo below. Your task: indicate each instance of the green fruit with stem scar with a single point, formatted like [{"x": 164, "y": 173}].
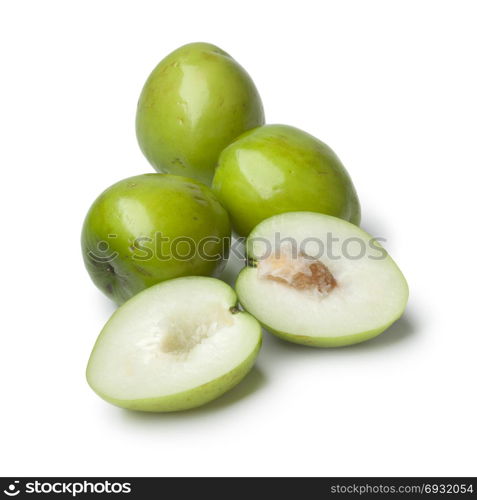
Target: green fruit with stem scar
[
  {"x": 151, "y": 228},
  {"x": 195, "y": 102}
]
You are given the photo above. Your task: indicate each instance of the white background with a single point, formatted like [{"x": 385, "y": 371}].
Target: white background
[{"x": 391, "y": 87}]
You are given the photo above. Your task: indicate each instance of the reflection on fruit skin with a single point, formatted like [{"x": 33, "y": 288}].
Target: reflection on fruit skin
[
  {"x": 276, "y": 169},
  {"x": 195, "y": 102},
  {"x": 133, "y": 231}
]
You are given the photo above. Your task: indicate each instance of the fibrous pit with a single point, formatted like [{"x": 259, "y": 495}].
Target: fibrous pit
[{"x": 179, "y": 334}]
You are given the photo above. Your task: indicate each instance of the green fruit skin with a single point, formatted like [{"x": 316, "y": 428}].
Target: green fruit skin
[
  {"x": 276, "y": 169},
  {"x": 195, "y": 102},
  {"x": 343, "y": 341},
  {"x": 193, "y": 397},
  {"x": 132, "y": 214}
]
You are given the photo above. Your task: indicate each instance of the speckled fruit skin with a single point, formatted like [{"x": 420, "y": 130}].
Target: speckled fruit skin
[
  {"x": 276, "y": 169},
  {"x": 195, "y": 102},
  {"x": 126, "y": 220}
]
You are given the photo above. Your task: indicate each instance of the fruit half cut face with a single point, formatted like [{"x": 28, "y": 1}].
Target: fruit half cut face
[
  {"x": 174, "y": 346},
  {"x": 319, "y": 280}
]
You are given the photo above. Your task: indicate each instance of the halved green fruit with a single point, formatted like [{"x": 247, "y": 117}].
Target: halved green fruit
[
  {"x": 319, "y": 280},
  {"x": 174, "y": 346}
]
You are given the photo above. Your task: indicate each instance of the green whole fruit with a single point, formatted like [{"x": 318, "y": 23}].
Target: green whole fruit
[
  {"x": 276, "y": 169},
  {"x": 195, "y": 102},
  {"x": 151, "y": 228}
]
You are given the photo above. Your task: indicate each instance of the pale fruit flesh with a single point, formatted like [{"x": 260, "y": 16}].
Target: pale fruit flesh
[
  {"x": 333, "y": 299},
  {"x": 174, "y": 346}
]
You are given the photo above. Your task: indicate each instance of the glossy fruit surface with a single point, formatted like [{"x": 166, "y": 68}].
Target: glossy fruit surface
[
  {"x": 174, "y": 346},
  {"x": 150, "y": 228},
  {"x": 320, "y": 281},
  {"x": 195, "y": 102},
  {"x": 276, "y": 169}
]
